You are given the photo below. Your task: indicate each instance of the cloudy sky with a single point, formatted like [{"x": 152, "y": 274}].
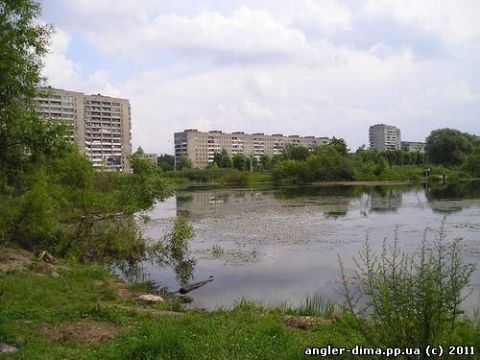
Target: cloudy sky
[{"x": 307, "y": 67}]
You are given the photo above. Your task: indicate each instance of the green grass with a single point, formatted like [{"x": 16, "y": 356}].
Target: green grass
[{"x": 29, "y": 302}]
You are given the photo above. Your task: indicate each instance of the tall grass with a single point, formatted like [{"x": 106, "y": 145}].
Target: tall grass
[
  {"x": 408, "y": 300},
  {"x": 317, "y": 306}
]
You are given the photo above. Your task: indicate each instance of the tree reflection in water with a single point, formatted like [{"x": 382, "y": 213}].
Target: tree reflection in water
[{"x": 171, "y": 251}]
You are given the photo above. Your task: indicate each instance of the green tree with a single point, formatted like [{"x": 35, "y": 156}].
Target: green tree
[
  {"x": 448, "y": 147},
  {"x": 184, "y": 162},
  {"x": 24, "y": 136},
  {"x": 239, "y": 162},
  {"x": 50, "y": 196},
  {"x": 222, "y": 159},
  {"x": 295, "y": 152},
  {"x": 472, "y": 165},
  {"x": 142, "y": 165},
  {"x": 166, "y": 162},
  {"x": 266, "y": 162},
  {"x": 339, "y": 144}
]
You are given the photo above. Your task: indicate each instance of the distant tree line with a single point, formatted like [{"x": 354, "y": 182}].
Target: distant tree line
[
  {"x": 451, "y": 149},
  {"x": 455, "y": 151}
]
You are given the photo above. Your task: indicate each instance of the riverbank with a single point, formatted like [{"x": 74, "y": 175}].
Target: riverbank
[
  {"x": 395, "y": 175},
  {"x": 67, "y": 311},
  {"x": 61, "y": 311}
]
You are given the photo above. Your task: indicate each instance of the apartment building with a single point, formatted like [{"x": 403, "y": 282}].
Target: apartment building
[
  {"x": 151, "y": 157},
  {"x": 100, "y": 125},
  {"x": 384, "y": 137},
  {"x": 413, "y": 146},
  {"x": 200, "y": 147}
]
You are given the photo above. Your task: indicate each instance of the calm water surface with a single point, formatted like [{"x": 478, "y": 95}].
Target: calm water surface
[{"x": 283, "y": 244}]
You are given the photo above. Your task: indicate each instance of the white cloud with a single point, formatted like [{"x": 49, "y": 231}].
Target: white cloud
[
  {"x": 245, "y": 34},
  {"x": 322, "y": 16},
  {"x": 62, "y": 72},
  {"x": 454, "y": 20},
  {"x": 256, "y": 67}
]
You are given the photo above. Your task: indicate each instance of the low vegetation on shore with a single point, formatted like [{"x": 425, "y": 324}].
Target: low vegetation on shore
[
  {"x": 450, "y": 155},
  {"x": 59, "y": 310}
]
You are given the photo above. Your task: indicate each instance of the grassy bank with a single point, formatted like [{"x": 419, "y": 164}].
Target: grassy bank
[{"x": 81, "y": 312}]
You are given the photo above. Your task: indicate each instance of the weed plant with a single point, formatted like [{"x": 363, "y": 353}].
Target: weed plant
[{"x": 408, "y": 300}]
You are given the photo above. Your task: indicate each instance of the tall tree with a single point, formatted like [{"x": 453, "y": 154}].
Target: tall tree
[
  {"x": 339, "y": 144},
  {"x": 295, "y": 152},
  {"x": 239, "y": 162},
  {"x": 24, "y": 137},
  {"x": 222, "y": 159},
  {"x": 448, "y": 147}
]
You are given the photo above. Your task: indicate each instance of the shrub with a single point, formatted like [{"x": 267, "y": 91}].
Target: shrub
[
  {"x": 407, "y": 300},
  {"x": 235, "y": 177},
  {"x": 472, "y": 165}
]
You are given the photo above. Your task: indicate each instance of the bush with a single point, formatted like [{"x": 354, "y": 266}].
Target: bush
[
  {"x": 472, "y": 165},
  {"x": 235, "y": 177},
  {"x": 290, "y": 172},
  {"x": 408, "y": 300}
]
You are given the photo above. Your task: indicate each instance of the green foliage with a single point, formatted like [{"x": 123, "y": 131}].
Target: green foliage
[
  {"x": 239, "y": 162},
  {"x": 472, "y": 165},
  {"x": 317, "y": 306},
  {"x": 235, "y": 177},
  {"x": 24, "y": 137},
  {"x": 173, "y": 250},
  {"x": 409, "y": 300},
  {"x": 449, "y": 147},
  {"x": 222, "y": 159},
  {"x": 266, "y": 162},
  {"x": 183, "y": 162},
  {"x": 295, "y": 152},
  {"x": 141, "y": 165},
  {"x": 166, "y": 162},
  {"x": 340, "y": 145},
  {"x": 31, "y": 302},
  {"x": 325, "y": 165},
  {"x": 290, "y": 172}
]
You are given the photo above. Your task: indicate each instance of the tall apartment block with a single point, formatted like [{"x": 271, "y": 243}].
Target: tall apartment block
[
  {"x": 200, "y": 147},
  {"x": 384, "y": 137},
  {"x": 101, "y": 125}
]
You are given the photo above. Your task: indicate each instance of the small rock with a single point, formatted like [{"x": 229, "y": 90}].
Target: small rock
[
  {"x": 5, "y": 348},
  {"x": 153, "y": 299}
]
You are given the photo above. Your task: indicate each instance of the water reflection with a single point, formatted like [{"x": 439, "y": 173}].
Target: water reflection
[{"x": 282, "y": 244}]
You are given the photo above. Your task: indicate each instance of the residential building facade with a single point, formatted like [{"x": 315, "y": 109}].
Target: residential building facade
[
  {"x": 413, "y": 146},
  {"x": 100, "y": 125},
  {"x": 384, "y": 137},
  {"x": 201, "y": 147},
  {"x": 151, "y": 156}
]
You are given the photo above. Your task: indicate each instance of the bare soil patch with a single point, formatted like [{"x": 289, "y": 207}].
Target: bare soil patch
[
  {"x": 83, "y": 331},
  {"x": 14, "y": 260}
]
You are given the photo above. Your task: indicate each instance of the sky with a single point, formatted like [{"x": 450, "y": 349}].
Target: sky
[{"x": 306, "y": 67}]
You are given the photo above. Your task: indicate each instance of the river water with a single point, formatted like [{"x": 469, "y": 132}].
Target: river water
[{"x": 282, "y": 244}]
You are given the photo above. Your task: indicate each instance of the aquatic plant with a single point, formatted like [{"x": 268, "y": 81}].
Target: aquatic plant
[{"x": 217, "y": 251}]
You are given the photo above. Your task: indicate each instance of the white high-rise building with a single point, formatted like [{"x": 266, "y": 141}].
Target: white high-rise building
[
  {"x": 101, "y": 125},
  {"x": 385, "y": 137}
]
